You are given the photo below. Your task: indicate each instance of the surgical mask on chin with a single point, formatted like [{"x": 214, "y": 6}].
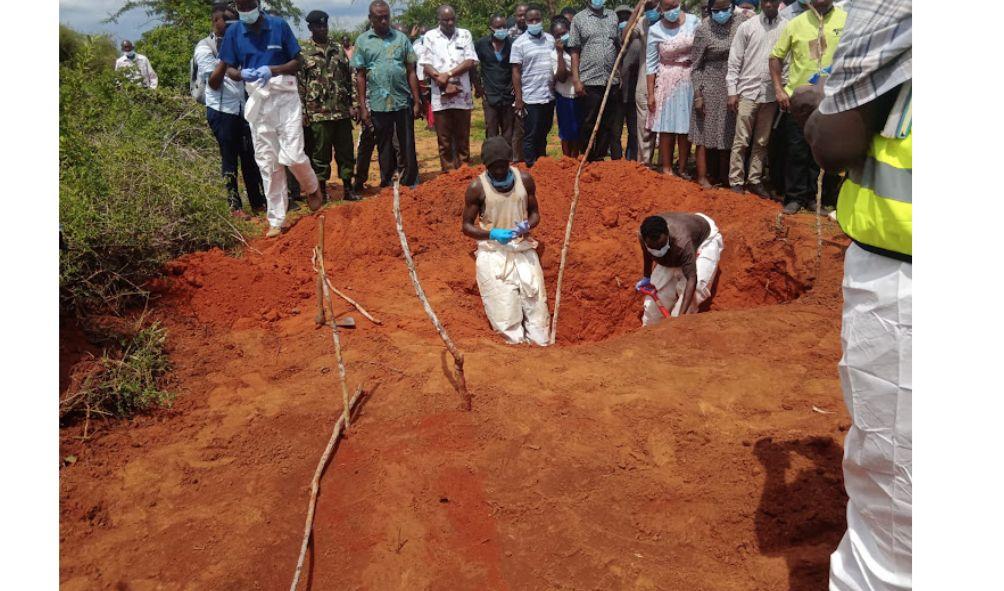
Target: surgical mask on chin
[
  {"x": 672, "y": 15},
  {"x": 505, "y": 184},
  {"x": 722, "y": 17},
  {"x": 564, "y": 39},
  {"x": 596, "y": 4},
  {"x": 653, "y": 16},
  {"x": 250, "y": 17},
  {"x": 659, "y": 253},
  {"x": 131, "y": 54},
  {"x": 535, "y": 29},
  {"x": 500, "y": 34}
]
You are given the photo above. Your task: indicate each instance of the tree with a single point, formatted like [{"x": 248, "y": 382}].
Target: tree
[{"x": 170, "y": 45}]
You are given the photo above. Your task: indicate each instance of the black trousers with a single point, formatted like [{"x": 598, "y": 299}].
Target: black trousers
[
  {"x": 499, "y": 120},
  {"x": 386, "y": 126},
  {"x": 591, "y": 107},
  {"x": 536, "y": 126},
  {"x": 234, "y": 137},
  {"x": 801, "y": 173}
]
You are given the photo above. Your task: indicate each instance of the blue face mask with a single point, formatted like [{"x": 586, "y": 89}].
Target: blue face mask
[
  {"x": 564, "y": 39},
  {"x": 596, "y": 4},
  {"x": 653, "y": 16},
  {"x": 721, "y": 16},
  {"x": 672, "y": 15},
  {"x": 501, "y": 34},
  {"x": 505, "y": 184},
  {"x": 250, "y": 17},
  {"x": 535, "y": 29},
  {"x": 620, "y": 26},
  {"x": 131, "y": 55},
  {"x": 803, "y": 2}
]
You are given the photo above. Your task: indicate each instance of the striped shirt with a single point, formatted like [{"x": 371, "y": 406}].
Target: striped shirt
[
  {"x": 535, "y": 56},
  {"x": 875, "y": 54}
]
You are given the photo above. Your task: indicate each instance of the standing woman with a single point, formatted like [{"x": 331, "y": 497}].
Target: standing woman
[
  {"x": 670, "y": 93},
  {"x": 567, "y": 106},
  {"x": 712, "y": 123}
]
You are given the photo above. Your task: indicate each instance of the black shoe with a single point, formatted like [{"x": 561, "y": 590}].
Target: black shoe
[
  {"x": 348, "y": 194},
  {"x": 737, "y": 189},
  {"x": 292, "y": 206},
  {"x": 792, "y": 207},
  {"x": 759, "y": 190}
]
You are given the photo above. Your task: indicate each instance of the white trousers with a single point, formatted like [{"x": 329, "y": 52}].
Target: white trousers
[
  {"x": 276, "y": 120},
  {"x": 512, "y": 289},
  {"x": 671, "y": 282},
  {"x": 876, "y": 553}
]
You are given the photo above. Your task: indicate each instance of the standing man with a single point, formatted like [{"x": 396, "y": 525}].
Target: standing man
[
  {"x": 519, "y": 24},
  {"x": 326, "y": 87},
  {"x": 260, "y": 50},
  {"x": 385, "y": 76},
  {"x": 517, "y": 29},
  {"x": 447, "y": 58},
  {"x": 533, "y": 69},
  {"x": 225, "y": 113},
  {"x": 500, "y": 210},
  {"x": 685, "y": 249},
  {"x": 751, "y": 96},
  {"x": 864, "y": 124},
  {"x": 646, "y": 143},
  {"x": 809, "y": 54},
  {"x": 629, "y": 68},
  {"x": 594, "y": 42},
  {"x": 347, "y": 46},
  {"x": 494, "y": 51},
  {"x": 136, "y": 65}
]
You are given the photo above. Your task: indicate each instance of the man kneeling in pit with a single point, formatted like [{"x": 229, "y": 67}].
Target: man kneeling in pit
[
  {"x": 499, "y": 212},
  {"x": 686, "y": 248}
]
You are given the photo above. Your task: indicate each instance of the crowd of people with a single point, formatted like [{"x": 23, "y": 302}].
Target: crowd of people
[{"x": 764, "y": 95}]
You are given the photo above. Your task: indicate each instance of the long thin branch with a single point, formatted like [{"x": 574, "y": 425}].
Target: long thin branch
[
  {"x": 578, "y": 173},
  {"x": 458, "y": 357},
  {"x": 319, "y": 259},
  {"x": 315, "y": 486},
  {"x": 351, "y": 301}
]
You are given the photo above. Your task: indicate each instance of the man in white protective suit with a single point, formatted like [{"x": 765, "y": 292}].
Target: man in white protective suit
[
  {"x": 864, "y": 125},
  {"x": 261, "y": 50},
  {"x": 681, "y": 253},
  {"x": 500, "y": 209}
]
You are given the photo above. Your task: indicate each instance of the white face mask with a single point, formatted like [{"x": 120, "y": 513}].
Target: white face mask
[
  {"x": 659, "y": 253},
  {"x": 250, "y": 17}
]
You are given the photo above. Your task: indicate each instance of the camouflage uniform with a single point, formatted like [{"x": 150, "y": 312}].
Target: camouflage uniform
[{"x": 327, "y": 90}]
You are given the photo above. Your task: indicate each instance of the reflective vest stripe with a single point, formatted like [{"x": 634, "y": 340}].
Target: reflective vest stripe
[{"x": 875, "y": 207}]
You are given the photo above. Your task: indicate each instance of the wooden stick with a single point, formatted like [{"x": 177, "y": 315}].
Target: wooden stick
[
  {"x": 319, "y": 258},
  {"x": 578, "y": 173},
  {"x": 315, "y": 486},
  {"x": 458, "y": 357},
  {"x": 351, "y": 301}
]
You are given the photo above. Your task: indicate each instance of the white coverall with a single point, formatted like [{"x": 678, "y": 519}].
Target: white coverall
[
  {"x": 275, "y": 116},
  {"x": 671, "y": 282},
  {"x": 875, "y": 373},
  {"x": 509, "y": 276}
]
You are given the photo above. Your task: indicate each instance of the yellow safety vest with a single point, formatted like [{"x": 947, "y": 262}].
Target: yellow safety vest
[{"x": 875, "y": 207}]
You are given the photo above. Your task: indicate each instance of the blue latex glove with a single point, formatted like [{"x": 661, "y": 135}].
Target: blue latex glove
[
  {"x": 249, "y": 74},
  {"x": 501, "y": 235},
  {"x": 645, "y": 282},
  {"x": 522, "y": 228},
  {"x": 264, "y": 73}
]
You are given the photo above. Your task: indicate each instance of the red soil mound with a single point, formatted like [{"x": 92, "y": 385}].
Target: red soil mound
[{"x": 766, "y": 260}]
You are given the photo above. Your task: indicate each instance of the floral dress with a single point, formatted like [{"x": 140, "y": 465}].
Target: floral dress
[
  {"x": 710, "y": 56},
  {"x": 668, "y": 56}
]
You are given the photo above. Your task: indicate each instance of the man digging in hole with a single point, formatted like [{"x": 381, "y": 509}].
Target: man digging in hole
[
  {"x": 686, "y": 248},
  {"x": 500, "y": 210}
]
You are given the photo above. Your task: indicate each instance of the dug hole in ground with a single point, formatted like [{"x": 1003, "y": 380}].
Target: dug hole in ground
[{"x": 701, "y": 454}]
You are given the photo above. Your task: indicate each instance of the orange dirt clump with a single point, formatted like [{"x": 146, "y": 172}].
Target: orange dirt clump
[{"x": 687, "y": 456}]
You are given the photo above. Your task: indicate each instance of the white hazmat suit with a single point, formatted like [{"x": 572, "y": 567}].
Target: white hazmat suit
[{"x": 671, "y": 282}]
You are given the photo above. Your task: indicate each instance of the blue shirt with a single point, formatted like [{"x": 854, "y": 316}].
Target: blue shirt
[{"x": 273, "y": 44}]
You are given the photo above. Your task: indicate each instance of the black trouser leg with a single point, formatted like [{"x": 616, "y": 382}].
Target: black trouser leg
[
  {"x": 631, "y": 117},
  {"x": 800, "y": 171},
  {"x": 225, "y": 131},
  {"x": 249, "y": 168},
  {"x": 367, "y": 141},
  {"x": 536, "y": 126}
]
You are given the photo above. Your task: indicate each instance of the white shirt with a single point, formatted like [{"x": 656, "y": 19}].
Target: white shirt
[
  {"x": 748, "y": 74},
  {"x": 229, "y": 97},
  {"x": 141, "y": 70},
  {"x": 443, "y": 54},
  {"x": 535, "y": 55},
  {"x": 566, "y": 88}
]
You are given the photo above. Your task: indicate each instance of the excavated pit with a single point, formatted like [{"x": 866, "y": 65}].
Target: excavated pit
[{"x": 768, "y": 259}]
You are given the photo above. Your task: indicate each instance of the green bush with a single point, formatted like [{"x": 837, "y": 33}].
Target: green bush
[
  {"x": 139, "y": 184},
  {"x": 119, "y": 386}
]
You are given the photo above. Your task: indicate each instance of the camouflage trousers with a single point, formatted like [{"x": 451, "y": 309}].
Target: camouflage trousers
[{"x": 325, "y": 138}]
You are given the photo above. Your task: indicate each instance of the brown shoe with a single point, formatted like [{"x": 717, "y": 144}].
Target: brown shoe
[
  {"x": 315, "y": 200},
  {"x": 273, "y": 231},
  {"x": 759, "y": 190}
]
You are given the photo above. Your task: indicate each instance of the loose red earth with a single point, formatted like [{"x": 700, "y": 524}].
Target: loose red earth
[{"x": 688, "y": 456}]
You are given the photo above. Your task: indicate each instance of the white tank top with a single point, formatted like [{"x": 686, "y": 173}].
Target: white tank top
[{"x": 503, "y": 210}]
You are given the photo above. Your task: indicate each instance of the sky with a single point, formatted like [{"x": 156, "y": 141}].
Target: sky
[{"x": 86, "y": 16}]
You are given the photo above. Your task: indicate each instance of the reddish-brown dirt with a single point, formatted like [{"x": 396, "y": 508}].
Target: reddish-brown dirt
[{"x": 687, "y": 456}]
